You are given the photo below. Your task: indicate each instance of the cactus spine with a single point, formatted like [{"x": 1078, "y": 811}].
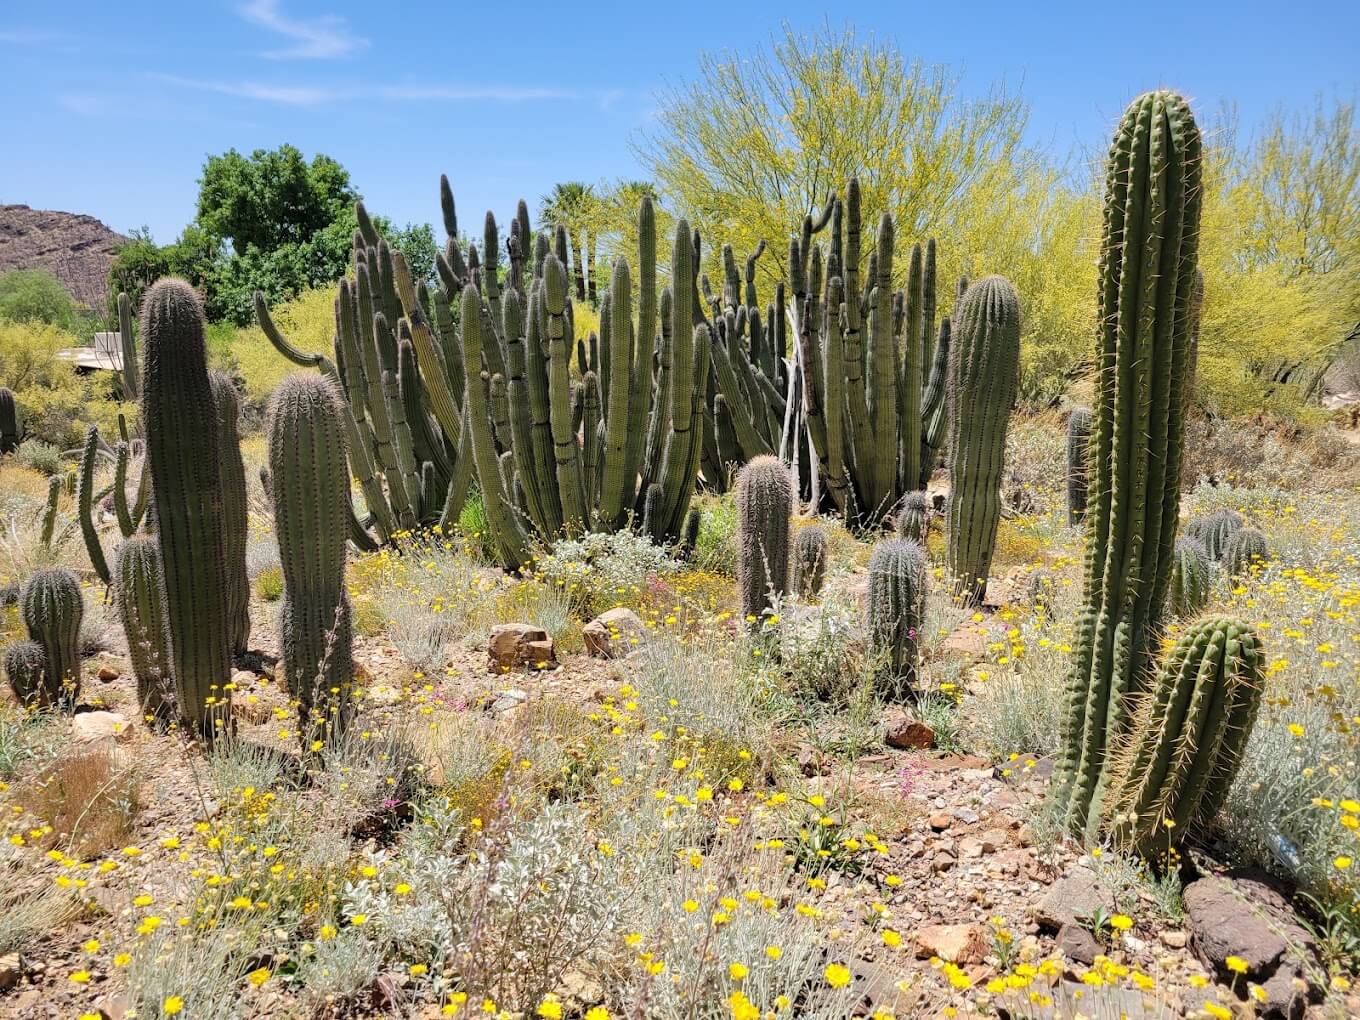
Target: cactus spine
[
  {"x": 1175, "y": 769},
  {"x": 10, "y": 421},
  {"x": 1190, "y": 578},
  {"x": 234, "y": 512},
  {"x": 809, "y": 561},
  {"x": 26, "y": 668},
  {"x": 1078, "y": 448},
  {"x": 139, "y": 584},
  {"x": 51, "y": 606},
  {"x": 1245, "y": 547},
  {"x": 913, "y": 519},
  {"x": 183, "y": 452},
  {"x": 897, "y": 600},
  {"x": 307, "y": 461},
  {"x": 1146, "y": 276},
  {"x": 764, "y": 508},
  {"x": 984, "y": 371}
]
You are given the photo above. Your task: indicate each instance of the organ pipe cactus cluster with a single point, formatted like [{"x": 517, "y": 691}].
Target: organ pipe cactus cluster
[
  {"x": 1078, "y": 450},
  {"x": 11, "y": 421},
  {"x": 984, "y": 370},
  {"x": 1215, "y": 529},
  {"x": 809, "y": 560},
  {"x": 308, "y": 465},
  {"x": 232, "y": 473},
  {"x": 897, "y": 601},
  {"x": 1190, "y": 577},
  {"x": 1245, "y": 547},
  {"x": 138, "y": 594},
  {"x": 183, "y": 457},
  {"x": 1146, "y": 276},
  {"x": 51, "y": 607},
  {"x": 764, "y": 509},
  {"x": 1174, "y": 770}
]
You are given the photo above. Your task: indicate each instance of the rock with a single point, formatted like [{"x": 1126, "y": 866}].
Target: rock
[
  {"x": 10, "y": 971},
  {"x": 993, "y": 840},
  {"x": 1175, "y": 939},
  {"x": 811, "y": 761},
  {"x": 244, "y": 680},
  {"x": 508, "y": 701},
  {"x": 1075, "y": 896},
  {"x": 88, "y": 727},
  {"x": 516, "y": 645},
  {"x": 907, "y": 734},
  {"x": 1078, "y": 945},
  {"x": 954, "y": 943},
  {"x": 77, "y": 249},
  {"x": 970, "y": 848},
  {"x": 968, "y": 640},
  {"x": 940, "y": 822},
  {"x": 107, "y": 674},
  {"x": 614, "y": 633}
]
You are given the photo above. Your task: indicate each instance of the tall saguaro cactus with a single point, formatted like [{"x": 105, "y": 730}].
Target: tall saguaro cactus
[
  {"x": 183, "y": 453},
  {"x": 984, "y": 372},
  {"x": 307, "y": 461},
  {"x": 1149, "y": 248},
  {"x": 227, "y": 405}
]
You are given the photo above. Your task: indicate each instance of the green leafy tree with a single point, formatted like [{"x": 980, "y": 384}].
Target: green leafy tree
[
  {"x": 571, "y": 205},
  {"x": 35, "y": 295}
]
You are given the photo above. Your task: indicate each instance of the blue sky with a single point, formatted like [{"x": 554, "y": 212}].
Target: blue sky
[{"x": 110, "y": 108}]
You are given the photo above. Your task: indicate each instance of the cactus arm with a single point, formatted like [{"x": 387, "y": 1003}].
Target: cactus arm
[
  {"x": 49, "y": 520},
  {"x": 616, "y": 490},
  {"x": 85, "y": 502},
  {"x": 235, "y": 525},
  {"x": 120, "y": 503},
  {"x": 131, "y": 387},
  {"x": 280, "y": 342}
]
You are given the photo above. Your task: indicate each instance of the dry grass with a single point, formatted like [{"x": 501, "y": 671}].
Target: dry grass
[{"x": 87, "y": 800}]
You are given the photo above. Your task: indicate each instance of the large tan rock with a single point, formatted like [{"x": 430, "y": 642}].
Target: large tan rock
[
  {"x": 88, "y": 727},
  {"x": 614, "y": 633},
  {"x": 954, "y": 943},
  {"x": 517, "y": 645}
]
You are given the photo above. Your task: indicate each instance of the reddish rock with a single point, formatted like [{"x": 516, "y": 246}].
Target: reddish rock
[
  {"x": 906, "y": 733},
  {"x": 107, "y": 674},
  {"x": 614, "y": 633},
  {"x": 954, "y": 943},
  {"x": 515, "y": 645}
]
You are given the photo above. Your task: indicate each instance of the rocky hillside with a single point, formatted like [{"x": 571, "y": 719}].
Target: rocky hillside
[{"x": 76, "y": 249}]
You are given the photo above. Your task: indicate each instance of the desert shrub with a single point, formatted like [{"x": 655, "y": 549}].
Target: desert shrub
[
  {"x": 89, "y": 801},
  {"x": 474, "y": 528},
  {"x": 56, "y": 403},
  {"x": 716, "y": 548},
  {"x": 1036, "y": 463},
  {"x": 36, "y": 296},
  {"x": 25, "y": 738},
  {"x": 1268, "y": 453},
  {"x": 599, "y": 571},
  {"x": 28, "y": 916},
  {"x": 269, "y": 583}
]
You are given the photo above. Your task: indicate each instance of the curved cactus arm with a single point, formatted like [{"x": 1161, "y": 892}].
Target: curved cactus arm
[
  {"x": 933, "y": 404},
  {"x": 281, "y": 344},
  {"x": 120, "y": 503},
  {"x": 566, "y": 452},
  {"x": 527, "y": 464},
  {"x": 750, "y": 442},
  {"x": 461, "y": 480},
  {"x": 85, "y": 503}
]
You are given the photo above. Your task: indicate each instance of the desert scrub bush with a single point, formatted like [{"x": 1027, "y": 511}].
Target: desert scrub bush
[
  {"x": 87, "y": 800},
  {"x": 26, "y": 738},
  {"x": 1239, "y": 452},
  {"x": 1014, "y": 705},
  {"x": 43, "y": 458},
  {"x": 543, "y": 605},
  {"x": 269, "y": 583},
  {"x": 29, "y": 916},
  {"x": 475, "y": 529},
  {"x": 716, "y": 547},
  {"x": 603, "y": 570},
  {"x": 1036, "y": 464}
]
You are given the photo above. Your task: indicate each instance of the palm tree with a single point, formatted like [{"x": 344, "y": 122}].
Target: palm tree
[{"x": 568, "y": 206}]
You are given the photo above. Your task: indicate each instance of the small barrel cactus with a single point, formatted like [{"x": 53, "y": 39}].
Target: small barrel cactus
[
  {"x": 1190, "y": 577},
  {"x": 307, "y": 458},
  {"x": 138, "y": 587},
  {"x": 26, "y": 668},
  {"x": 913, "y": 518},
  {"x": 764, "y": 507},
  {"x": 809, "y": 560},
  {"x": 1244, "y": 547},
  {"x": 1188, "y": 737},
  {"x": 897, "y": 602},
  {"x": 1078, "y": 445},
  {"x": 51, "y": 606},
  {"x": 1214, "y": 530}
]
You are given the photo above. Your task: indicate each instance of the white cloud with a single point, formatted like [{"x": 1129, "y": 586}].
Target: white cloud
[
  {"x": 326, "y": 37},
  {"x": 287, "y": 95},
  {"x": 317, "y": 95}
]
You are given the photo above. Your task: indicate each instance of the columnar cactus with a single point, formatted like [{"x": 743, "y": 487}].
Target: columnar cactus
[
  {"x": 913, "y": 518},
  {"x": 1078, "y": 447},
  {"x": 26, "y": 669},
  {"x": 1174, "y": 771},
  {"x": 10, "y": 421},
  {"x": 49, "y": 521},
  {"x": 85, "y": 505},
  {"x": 897, "y": 601},
  {"x": 131, "y": 372},
  {"x": 1215, "y": 529},
  {"x": 1147, "y": 269},
  {"x": 183, "y": 451},
  {"x": 308, "y": 462},
  {"x": 984, "y": 369},
  {"x": 138, "y": 594},
  {"x": 1244, "y": 547},
  {"x": 764, "y": 508},
  {"x": 1190, "y": 577},
  {"x": 232, "y": 470},
  {"x": 51, "y": 607},
  {"x": 809, "y": 560}
]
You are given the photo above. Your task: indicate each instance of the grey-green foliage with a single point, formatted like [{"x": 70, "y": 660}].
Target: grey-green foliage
[
  {"x": 232, "y": 471},
  {"x": 764, "y": 511},
  {"x": 307, "y": 459},
  {"x": 809, "y": 560},
  {"x": 1244, "y": 547},
  {"x": 138, "y": 595},
  {"x": 52, "y": 607},
  {"x": 984, "y": 371},
  {"x": 897, "y": 601},
  {"x": 1191, "y": 579}
]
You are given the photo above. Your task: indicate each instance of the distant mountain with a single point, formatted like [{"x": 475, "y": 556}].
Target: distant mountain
[{"x": 76, "y": 249}]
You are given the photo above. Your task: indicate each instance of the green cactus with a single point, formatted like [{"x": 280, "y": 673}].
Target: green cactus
[
  {"x": 26, "y": 669},
  {"x": 984, "y": 369},
  {"x": 308, "y": 463},
  {"x": 51, "y": 607},
  {"x": 139, "y": 583},
  {"x": 1215, "y": 530},
  {"x": 183, "y": 453},
  {"x": 49, "y": 520},
  {"x": 764, "y": 509},
  {"x": 11, "y": 421},
  {"x": 1244, "y": 548},
  {"x": 913, "y": 518},
  {"x": 897, "y": 600},
  {"x": 1078, "y": 448},
  {"x": 232, "y": 471},
  {"x": 1146, "y": 275},
  {"x": 809, "y": 560},
  {"x": 1190, "y": 577},
  {"x": 933, "y": 402},
  {"x": 1187, "y": 738},
  {"x": 85, "y": 505},
  {"x": 131, "y": 373}
]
